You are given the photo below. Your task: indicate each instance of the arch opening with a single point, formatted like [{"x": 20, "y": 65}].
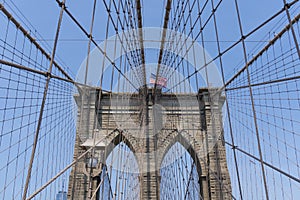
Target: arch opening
[
  {"x": 179, "y": 172},
  {"x": 119, "y": 176}
]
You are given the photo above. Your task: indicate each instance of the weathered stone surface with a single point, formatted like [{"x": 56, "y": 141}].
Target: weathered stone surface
[{"x": 194, "y": 120}]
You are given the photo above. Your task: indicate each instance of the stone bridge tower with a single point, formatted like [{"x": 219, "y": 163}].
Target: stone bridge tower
[{"x": 166, "y": 123}]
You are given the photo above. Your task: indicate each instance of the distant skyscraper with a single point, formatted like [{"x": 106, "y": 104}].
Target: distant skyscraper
[{"x": 61, "y": 195}]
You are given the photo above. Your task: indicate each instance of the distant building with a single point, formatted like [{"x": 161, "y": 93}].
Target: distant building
[{"x": 61, "y": 195}]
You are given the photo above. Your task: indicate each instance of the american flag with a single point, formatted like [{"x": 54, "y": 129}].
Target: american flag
[{"x": 161, "y": 81}]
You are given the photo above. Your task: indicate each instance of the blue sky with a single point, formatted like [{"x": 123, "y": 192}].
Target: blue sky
[
  {"x": 40, "y": 18},
  {"x": 43, "y": 15}
]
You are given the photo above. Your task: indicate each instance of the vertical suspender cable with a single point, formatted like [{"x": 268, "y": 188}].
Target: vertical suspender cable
[
  {"x": 62, "y": 5},
  {"x": 227, "y": 105},
  {"x": 286, "y": 7},
  {"x": 252, "y": 103},
  {"x": 164, "y": 32}
]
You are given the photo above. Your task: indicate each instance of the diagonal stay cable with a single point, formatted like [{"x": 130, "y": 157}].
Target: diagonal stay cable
[
  {"x": 115, "y": 26},
  {"x": 265, "y": 163},
  {"x": 33, "y": 151},
  {"x": 141, "y": 40},
  {"x": 98, "y": 47},
  {"x": 213, "y": 173},
  {"x": 37, "y": 45},
  {"x": 235, "y": 44},
  {"x": 22, "y": 67},
  {"x": 27, "y": 34},
  {"x": 180, "y": 47},
  {"x": 68, "y": 167},
  {"x": 162, "y": 44},
  {"x": 183, "y": 21},
  {"x": 278, "y": 36}
]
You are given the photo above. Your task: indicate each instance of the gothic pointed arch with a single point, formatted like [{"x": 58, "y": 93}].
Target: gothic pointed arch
[
  {"x": 119, "y": 178},
  {"x": 180, "y": 172}
]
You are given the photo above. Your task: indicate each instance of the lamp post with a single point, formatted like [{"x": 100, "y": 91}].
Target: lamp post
[{"x": 93, "y": 164}]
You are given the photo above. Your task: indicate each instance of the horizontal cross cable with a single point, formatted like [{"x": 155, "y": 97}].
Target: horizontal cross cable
[{"x": 27, "y": 34}]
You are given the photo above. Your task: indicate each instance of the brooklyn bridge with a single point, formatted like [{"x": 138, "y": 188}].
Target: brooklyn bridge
[{"x": 149, "y": 99}]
